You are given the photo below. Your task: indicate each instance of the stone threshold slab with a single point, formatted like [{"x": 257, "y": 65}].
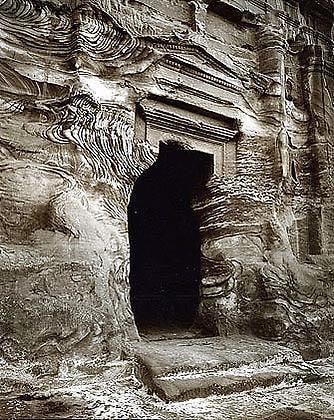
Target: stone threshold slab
[{"x": 182, "y": 369}]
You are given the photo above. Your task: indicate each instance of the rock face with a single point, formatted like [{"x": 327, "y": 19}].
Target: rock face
[{"x": 90, "y": 88}]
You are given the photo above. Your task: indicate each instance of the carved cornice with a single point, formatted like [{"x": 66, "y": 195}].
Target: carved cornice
[
  {"x": 156, "y": 116},
  {"x": 180, "y": 87},
  {"x": 173, "y": 48},
  {"x": 188, "y": 69}
]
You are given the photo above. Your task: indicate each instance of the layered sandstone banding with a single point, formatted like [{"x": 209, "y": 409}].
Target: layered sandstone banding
[{"x": 88, "y": 91}]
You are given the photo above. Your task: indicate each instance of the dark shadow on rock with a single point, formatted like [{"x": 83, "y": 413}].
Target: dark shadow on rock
[{"x": 165, "y": 239}]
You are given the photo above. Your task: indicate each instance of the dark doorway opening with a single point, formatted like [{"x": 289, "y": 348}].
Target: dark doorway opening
[{"x": 164, "y": 238}]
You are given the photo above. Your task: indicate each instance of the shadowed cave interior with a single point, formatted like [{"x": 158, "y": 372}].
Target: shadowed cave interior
[{"x": 165, "y": 240}]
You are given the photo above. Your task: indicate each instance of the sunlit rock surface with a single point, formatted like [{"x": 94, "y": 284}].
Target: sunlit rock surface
[
  {"x": 249, "y": 379},
  {"x": 88, "y": 90}
]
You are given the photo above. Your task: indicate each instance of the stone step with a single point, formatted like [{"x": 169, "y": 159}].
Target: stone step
[{"x": 181, "y": 369}]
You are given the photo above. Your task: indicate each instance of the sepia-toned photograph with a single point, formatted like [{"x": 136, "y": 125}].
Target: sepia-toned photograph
[{"x": 167, "y": 209}]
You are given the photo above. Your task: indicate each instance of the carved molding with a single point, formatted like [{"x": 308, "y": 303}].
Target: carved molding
[
  {"x": 206, "y": 134},
  {"x": 71, "y": 157},
  {"x": 165, "y": 83},
  {"x": 188, "y": 69},
  {"x": 170, "y": 121}
]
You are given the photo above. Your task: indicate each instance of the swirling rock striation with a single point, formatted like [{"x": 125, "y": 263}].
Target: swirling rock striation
[{"x": 88, "y": 88}]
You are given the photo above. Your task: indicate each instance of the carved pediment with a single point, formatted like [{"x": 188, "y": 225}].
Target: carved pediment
[{"x": 202, "y": 71}]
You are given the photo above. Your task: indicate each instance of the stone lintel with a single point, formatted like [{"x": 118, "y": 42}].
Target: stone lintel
[{"x": 209, "y": 134}]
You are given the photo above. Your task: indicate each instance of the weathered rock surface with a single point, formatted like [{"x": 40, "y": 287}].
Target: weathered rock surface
[
  {"x": 89, "y": 88},
  {"x": 181, "y": 369},
  {"x": 265, "y": 381}
]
